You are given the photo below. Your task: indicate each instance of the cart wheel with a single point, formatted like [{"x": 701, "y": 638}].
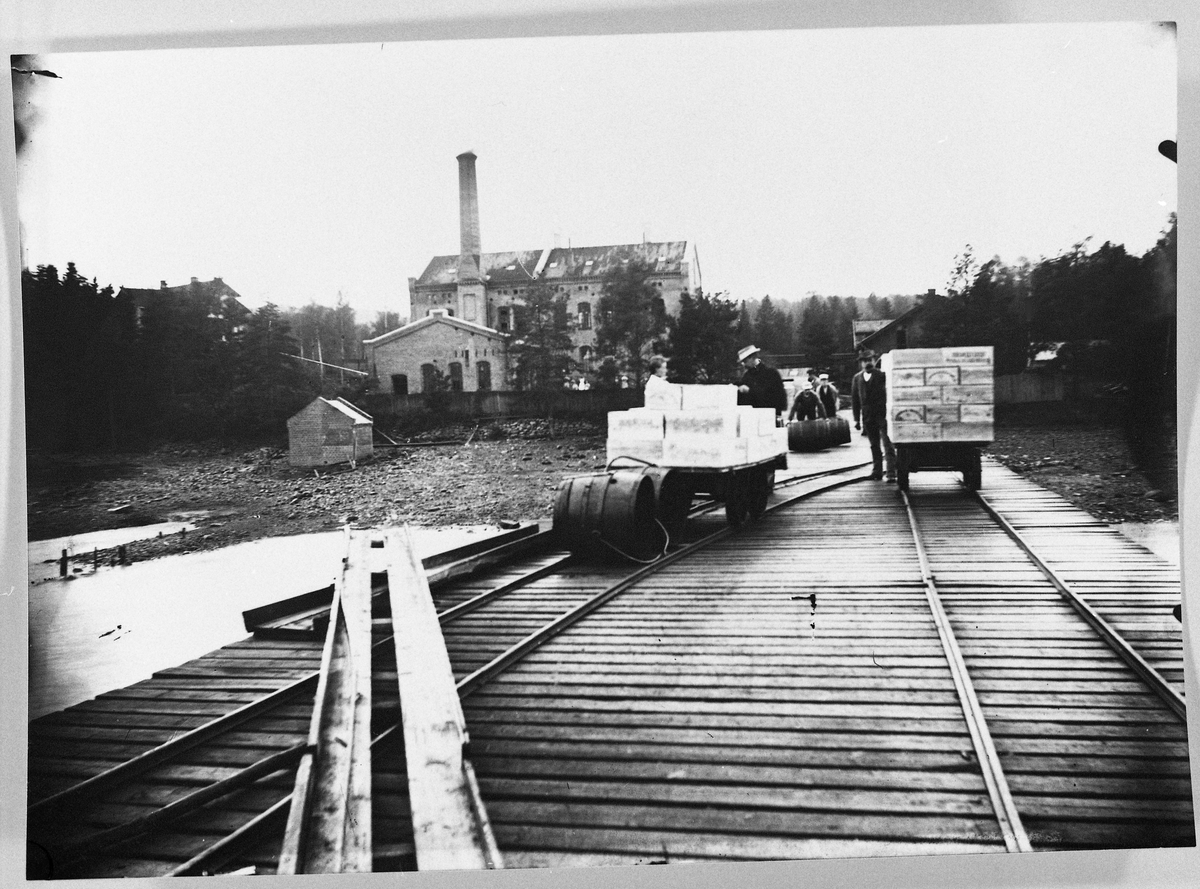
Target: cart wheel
[
  {"x": 674, "y": 501},
  {"x": 759, "y": 482},
  {"x": 902, "y": 469},
  {"x": 973, "y": 474},
  {"x": 737, "y": 504}
]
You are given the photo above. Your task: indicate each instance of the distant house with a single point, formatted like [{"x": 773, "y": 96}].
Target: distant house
[
  {"x": 410, "y": 359},
  {"x": 329, "y": 430},
  {"x": 223, "y": 303},
  {"x": 905, "y": 332}
]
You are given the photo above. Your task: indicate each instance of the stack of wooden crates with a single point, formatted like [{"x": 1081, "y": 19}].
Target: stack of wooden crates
[
  {"x": 695, "y": 426},
  {"x": 940, "y": 395}
]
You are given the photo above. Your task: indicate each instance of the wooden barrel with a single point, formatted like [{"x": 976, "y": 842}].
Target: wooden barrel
[
  {"x": 839, "y": 431},
  {"x": 607, "y": 512},
  {"x": 817, "y": 435}
]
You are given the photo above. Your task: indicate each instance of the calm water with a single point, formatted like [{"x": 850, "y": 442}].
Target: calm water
[{"x": 117, "y": 626}]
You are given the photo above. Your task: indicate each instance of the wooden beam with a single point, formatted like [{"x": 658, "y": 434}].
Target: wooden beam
[
  {"x": 450, "y": 827},
  {"x": 329, "y": 824}
]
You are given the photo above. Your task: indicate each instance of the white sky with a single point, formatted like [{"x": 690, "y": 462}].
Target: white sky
[{"x": 837, "y": 161}]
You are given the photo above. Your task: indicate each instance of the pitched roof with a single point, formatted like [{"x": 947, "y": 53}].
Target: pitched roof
[
  {"x": 437, "y": 316},
  {"x": 345, "y": 407},
  {"x": 521, "y": 266},
  {"x": 216, "y": 287},
  {"x": 891, "y": 325}
]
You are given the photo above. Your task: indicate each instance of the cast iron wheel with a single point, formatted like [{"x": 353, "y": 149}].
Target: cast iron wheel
[
  {"x": 736, "y": 500},
  {"x": 674, "y": 501},
  {"x": 902, "y": 469},
  {"x": 973, "y": 473},
  {"x": 759, "y": 483}
]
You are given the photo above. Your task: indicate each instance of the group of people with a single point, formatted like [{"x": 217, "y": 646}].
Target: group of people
[{"x": 762, "y": 386}]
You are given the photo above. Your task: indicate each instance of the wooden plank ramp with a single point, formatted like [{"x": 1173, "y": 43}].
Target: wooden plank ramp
[{"x": 450, "y": 826}]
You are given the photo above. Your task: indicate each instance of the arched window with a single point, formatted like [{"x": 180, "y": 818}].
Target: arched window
[
  {"x": 428, "y": 377},
  {"x": 585, "y": 357},
  {"x": 585, "y": 316},
  {"x": 484, "y": 371},
  {"x": 399, "y": 384},
  {"x": 456, "y": 376}
]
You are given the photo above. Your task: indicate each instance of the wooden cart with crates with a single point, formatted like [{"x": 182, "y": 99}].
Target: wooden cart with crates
[
  {"x": 941, "y": 405},
  {"x": 695, "y": 440}
]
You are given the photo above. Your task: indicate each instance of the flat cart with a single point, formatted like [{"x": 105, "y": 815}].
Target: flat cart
[
  {"x": 628, "y": 507},
  {"x": 958, "y": 456},
  {"x": 744, "y": 489}
]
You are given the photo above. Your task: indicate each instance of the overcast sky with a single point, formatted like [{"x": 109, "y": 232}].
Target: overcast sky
[{"x": 839, "y": 161}]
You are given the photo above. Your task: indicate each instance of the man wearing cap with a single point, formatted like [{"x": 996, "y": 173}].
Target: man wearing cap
[
  {"x": 761, "y": 386},
  {"x": 868, "y": 400},
  {"x": 828, "y": 394},
  {"x": 807, "y": 405}
]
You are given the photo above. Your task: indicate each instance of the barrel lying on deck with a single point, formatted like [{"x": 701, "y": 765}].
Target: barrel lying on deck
[
  {"x": 817, "y": 435},
  {"x": 608, "y": 509}
]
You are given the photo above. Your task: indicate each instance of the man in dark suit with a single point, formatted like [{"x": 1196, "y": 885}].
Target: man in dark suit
[
  {"x": 868, "y": 401},
  {"x": 760, "y": 386}
]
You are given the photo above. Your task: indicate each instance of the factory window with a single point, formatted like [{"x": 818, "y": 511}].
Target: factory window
[
  {"x": 456, "y": 377},
  {"x": 483, "y": 371},
  {"x": 428, "y": 378},
  {"x": 585, "y": 316},
  {"x": 399, "y": 384}
]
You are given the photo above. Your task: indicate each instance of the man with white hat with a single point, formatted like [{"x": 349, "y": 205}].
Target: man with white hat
[
  {"x": 761, "y": 386},
  {"x": 828, "y": 394},
  {"x": 807, "y": 405}
]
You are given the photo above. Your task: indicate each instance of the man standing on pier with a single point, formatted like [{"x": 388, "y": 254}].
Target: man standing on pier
[{"x": 868, "y": 401}]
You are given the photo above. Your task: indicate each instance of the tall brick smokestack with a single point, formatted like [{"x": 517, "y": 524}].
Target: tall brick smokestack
[{"x": 468, "y": 218}]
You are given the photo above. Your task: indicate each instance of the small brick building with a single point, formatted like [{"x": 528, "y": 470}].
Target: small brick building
[
  {"x": 329, "y": 430},
  {"x": 472, "y": 358}
]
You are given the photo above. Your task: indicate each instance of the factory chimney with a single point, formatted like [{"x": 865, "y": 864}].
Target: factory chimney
[{"x": 468, "y": 219}]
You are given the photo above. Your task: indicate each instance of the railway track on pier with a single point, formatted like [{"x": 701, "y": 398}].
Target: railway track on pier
[{"x": 783, "y": 691}]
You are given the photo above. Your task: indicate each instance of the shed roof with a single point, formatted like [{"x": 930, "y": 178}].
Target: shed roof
[{"x": 437, "y": 316}]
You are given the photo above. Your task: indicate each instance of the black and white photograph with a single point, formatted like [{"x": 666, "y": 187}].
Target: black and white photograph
[{"x": 577, "y": 442}]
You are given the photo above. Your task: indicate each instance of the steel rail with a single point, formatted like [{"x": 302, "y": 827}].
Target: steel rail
[
  {"x": 185, "y": 805},
  {"x": 506, "y": 659},
  {"x": 1106, "y": 631},
  {"x": 463, "y": 608},
  {"x": 509, "y": 545},
  {"x": 1009, "y": 819}
]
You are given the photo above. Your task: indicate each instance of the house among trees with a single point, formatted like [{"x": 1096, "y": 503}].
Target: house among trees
[
  {"x": 222, "y": 302},
  {"x": 486, "y": 289},
  {"x": 440, "y": 352},
  {"x": 329, "y": 430},
  {"x": 905, "y": 332}
]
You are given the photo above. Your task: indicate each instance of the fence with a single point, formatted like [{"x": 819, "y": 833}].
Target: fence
[
  {"x": 1030, "y": 388},
  {"x": 477, "y": 405}
]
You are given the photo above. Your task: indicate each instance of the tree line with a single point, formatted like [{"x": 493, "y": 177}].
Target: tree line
[{"x": 104, "y": 373}]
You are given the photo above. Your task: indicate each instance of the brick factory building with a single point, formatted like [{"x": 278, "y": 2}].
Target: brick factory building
[{"x": 481, "y": 288}]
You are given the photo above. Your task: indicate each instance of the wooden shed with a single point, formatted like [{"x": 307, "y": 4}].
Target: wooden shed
[{"x": 329, "y": 430}]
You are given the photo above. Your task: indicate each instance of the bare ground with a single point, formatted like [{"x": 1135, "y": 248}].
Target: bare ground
[{"x": 237, "y": 496}]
